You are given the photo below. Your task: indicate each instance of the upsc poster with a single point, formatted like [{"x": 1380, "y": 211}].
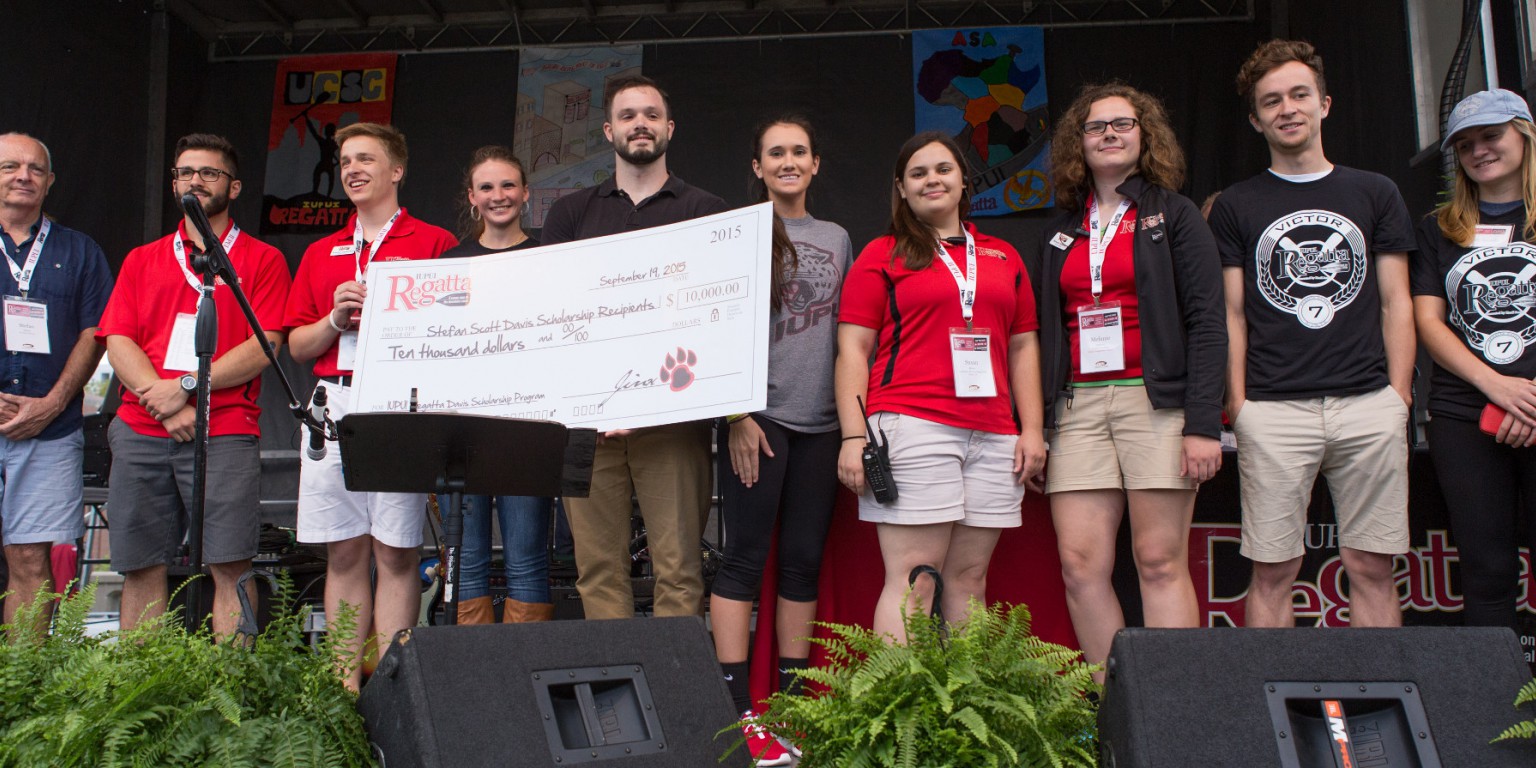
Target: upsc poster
[{"x": 313, "y": 97}]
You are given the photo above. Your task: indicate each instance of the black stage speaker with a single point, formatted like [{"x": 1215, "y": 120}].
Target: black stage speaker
[
  {"x": 630, "y": 693},
  {"x": 1417, "y": 696}
]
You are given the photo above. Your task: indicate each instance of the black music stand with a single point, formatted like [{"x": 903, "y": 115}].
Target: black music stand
[{"x": 454, "y": 454}]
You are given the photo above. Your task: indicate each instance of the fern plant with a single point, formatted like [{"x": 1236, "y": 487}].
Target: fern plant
[
  {"x": 988, "y": 694},
  {"x": 159, "y": 696},
  {"x": 1527, "y": 729}
]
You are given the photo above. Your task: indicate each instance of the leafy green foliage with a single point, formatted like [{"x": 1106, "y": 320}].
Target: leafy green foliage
[
  {"x": 991, "y": 694},
  {"x": 1527, "y": 729},
  {"x": 158, "y": 696}
]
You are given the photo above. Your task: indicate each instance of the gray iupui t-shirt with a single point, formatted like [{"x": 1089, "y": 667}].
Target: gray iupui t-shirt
[{"x": 803, "y": 341}]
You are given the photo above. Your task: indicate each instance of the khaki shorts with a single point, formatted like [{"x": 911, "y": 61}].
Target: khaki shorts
[
  {"x": 946, "y": 474},
  {"x": 1360, "y": 444},
  {"x": 1112, "y": 437}
]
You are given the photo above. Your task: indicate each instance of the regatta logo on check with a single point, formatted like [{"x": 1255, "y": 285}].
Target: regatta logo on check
[
  {"x": 412, "y": 292},
  {"x": 971, "y": 343}
]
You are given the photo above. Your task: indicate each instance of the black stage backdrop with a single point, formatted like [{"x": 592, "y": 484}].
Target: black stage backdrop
[{"x": 79, "y": 81}]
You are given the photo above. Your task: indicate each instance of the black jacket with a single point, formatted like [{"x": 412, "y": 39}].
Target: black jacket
[{"x": 1181, "y": 306}]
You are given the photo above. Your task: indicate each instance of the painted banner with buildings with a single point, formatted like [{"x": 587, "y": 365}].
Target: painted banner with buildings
[
  {"x": 986, "y": 88},
  {"x": 560, "y": 112},
  {"x": 313, "y": 97}
]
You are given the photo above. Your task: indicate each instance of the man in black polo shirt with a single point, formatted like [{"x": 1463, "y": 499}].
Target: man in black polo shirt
[{"x": 667, "y": 468}]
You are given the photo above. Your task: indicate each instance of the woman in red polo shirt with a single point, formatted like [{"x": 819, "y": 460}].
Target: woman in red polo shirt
[
  {"x": 948, "y": 316},
  {"x": 1133, "y": 347}
]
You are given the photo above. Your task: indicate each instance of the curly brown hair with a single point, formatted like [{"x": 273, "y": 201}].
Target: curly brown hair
[
  {"x": 1273, "y": 55},
  {"x": 1161, "y": 161}
]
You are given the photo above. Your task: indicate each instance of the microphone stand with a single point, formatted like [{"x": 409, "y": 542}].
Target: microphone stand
[{"x": 214, "y": 263}]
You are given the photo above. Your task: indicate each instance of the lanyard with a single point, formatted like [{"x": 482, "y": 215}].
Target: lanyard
[
  {"x": 1098, "y": 245},
  {"x": 373, "y": 248},
  {"x": 180, "y": 250},
  {"x": 966, "y": 282},
  {"x": 23, "y": 274}
]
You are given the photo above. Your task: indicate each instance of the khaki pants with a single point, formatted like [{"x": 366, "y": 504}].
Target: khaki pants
[{"x": 668, "y": 470}]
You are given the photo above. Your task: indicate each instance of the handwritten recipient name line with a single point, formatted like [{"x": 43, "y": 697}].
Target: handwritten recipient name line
[{"x": 451, "y": 330}]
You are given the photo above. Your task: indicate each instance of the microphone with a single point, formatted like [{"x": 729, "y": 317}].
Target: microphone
[
  {"x": 212, "y": 248},
  {"x": 317, "y": 411}
]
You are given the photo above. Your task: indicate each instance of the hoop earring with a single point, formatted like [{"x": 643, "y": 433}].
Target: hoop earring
[{"x": 474, "y": 213}]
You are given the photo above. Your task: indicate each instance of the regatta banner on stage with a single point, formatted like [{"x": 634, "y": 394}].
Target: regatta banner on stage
[
  {"x": 558, "y": 133},
  {"x": 986, "y": 87},
  {"x": 313, "y": 97}
]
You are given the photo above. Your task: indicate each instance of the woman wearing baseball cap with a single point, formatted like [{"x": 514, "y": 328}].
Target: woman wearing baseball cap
[{"x": 1474, "y": 301}]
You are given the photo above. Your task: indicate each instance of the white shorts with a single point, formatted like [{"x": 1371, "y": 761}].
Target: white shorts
[
  {"x": 946, "y": 474},
  {"x": 329, "y": 512}
]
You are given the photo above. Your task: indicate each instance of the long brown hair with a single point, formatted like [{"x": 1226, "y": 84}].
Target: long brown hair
[
  {"x": 1458, "y": 216},
  {"x": 472, "y": 227},
  {"x": 915, "y": 240},
  {"x": 1161, "y": 161},
  {"x": 786, "y": 260}
]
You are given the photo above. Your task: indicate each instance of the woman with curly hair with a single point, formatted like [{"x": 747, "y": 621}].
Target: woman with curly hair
[{"x": 1133, "y": 350}]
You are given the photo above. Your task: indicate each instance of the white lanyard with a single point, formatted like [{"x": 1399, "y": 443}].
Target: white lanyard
[
  {"x": 966, "y": 282},
  {"x": 1098, "y": 245},
  {"x": 23, "y": 274},
  {"x": 373, "y": 248},
  {"x": 180, "y": 250}
]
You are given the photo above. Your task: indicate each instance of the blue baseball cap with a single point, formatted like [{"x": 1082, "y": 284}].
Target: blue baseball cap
[{"x": 1484, "y": 108}]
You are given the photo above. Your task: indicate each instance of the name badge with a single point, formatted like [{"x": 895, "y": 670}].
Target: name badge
[
  {"x": 26, "y": 325},
  {"x": 970, "y": 351},
  {"x": 181, "y": 352},
  {"x": 1491, "y": 235},
  {"x": 1101, "y": 338},
  {"x": 1062, "y": 240},
  {"x": 342, "y": 250},
  {"x": 346, "y": 350}
]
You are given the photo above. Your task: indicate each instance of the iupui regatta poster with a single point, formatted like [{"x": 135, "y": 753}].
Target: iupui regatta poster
[{"x": 314, "y": 97}]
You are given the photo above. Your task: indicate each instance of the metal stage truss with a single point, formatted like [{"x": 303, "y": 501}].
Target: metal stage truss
[{"x": 244, "y": 30}]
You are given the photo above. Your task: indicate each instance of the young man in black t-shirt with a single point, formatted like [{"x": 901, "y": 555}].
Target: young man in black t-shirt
[{"x": 1320, "y": 328}]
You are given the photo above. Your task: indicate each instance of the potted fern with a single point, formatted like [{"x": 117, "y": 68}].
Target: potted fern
[
  {"x": 1526, "y": 729},
  {"x": 157, "y": 695},
  {"x": 988, "y": 693}
]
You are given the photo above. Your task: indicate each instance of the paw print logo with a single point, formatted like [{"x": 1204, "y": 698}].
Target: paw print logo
[{"x": 677, "y": 371}]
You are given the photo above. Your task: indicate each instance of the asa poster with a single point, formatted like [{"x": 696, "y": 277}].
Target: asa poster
[
  {"x": 313, "y": 97},
  {"x": 986, "y": 87},
  {"x": 558, "y": 132}
]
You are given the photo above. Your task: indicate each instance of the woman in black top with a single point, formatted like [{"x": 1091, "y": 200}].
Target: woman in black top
[
  {"x": 1474, "y": 304},
  {"x": 1133, "y": 356},
  {"x": 493, "y": 209}
]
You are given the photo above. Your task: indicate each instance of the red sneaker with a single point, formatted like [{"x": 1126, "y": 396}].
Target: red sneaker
[{"x": 761, "y": 745}]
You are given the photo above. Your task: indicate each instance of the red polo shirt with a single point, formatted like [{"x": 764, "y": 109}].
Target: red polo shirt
[
  {"x": 913, "y": 312},
  {"x": 329, "y": 262},
  {"x": 1119, "y": 285},
  {"x": 151, "y": 291}
]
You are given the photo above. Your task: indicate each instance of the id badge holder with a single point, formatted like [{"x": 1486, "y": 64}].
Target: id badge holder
[
  {"x": 181, "y": 352},
  {"x": 26, "y": 325},
  {"x": 1101, "y": 336},
  {"x": 970, "y": 352},
  {"x": 346, "y": 350}
]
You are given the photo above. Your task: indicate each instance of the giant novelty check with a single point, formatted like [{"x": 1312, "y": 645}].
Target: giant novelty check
[{"x": 631, "y": 330}]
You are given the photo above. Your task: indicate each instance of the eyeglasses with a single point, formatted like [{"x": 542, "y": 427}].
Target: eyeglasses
[
  {"x": 1120, "y": 124},
  {"x": 210, "y": 175}
]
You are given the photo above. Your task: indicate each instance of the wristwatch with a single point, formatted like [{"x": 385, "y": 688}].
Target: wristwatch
[{"x": 188, "y": 383}]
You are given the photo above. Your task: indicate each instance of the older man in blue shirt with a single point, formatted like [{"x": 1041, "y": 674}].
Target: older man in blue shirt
[{"x": 54, "y": 288}]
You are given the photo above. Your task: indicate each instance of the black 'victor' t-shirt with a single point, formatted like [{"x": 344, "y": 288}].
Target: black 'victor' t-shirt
[
  {"x": 1490, "y": 295},
  {"x": 1307, "y": 250}
]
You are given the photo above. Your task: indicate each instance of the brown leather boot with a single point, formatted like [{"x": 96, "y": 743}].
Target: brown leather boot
[
  {"x": 476, "y": 610},
  {"x": 519, "y": 612}
]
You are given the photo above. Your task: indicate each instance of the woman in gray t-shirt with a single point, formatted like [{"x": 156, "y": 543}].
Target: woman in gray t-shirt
[{"x": 784, "y": 458}]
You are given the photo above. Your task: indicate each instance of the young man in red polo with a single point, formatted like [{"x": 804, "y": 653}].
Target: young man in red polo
[
  {"x": 358, "y": 529},
  {"x": 148, "y": 331}
]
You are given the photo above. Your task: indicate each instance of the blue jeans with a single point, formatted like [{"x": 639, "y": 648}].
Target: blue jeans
[{"x": 525, "y": 547}]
